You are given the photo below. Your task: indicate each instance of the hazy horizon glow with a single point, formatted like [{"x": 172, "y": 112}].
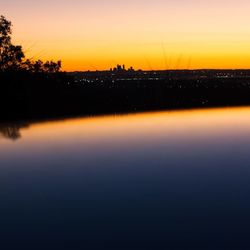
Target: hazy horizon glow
[{"x": 147, "y": 34}]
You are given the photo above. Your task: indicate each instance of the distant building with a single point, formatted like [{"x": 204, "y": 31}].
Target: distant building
[
  {"x": 121, "y": 68},
  {"x": 131, "y": 69}
]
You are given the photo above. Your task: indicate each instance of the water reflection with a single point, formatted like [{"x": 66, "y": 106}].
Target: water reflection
[
  {"x": 12, "y": 131},
  {"x": 167, "y": 180},
  {"x": 187, "y": 122}
]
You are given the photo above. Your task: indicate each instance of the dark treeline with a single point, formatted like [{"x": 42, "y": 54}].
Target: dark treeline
[
  {"x": 39, "y": 96},
  {"x": 35, "y": 89}
]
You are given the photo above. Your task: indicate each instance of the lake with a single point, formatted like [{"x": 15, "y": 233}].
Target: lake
[{"x": 163, "y": 180}]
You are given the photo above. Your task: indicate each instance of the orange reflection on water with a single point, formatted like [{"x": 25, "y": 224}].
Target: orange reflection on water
[
  {"x": 182, "y": 123},
  {"x": 181, "y": 130}
]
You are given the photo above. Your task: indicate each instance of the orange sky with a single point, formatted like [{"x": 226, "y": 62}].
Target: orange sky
[{"x": 147, "y": 34}]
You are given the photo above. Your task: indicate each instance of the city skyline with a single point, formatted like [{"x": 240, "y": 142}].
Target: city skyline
[{"x": 146, "y": 34}]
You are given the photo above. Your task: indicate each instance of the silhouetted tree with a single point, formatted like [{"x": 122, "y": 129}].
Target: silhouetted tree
[
  {"x": 40, "y": 67},
  {"x": 37, "y": 67},
  {"x": 11, "y": 56},
  {"x": 52, "y": 67}
]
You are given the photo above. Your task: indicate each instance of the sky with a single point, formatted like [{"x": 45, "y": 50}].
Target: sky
[{"x": 145, "y": 34}]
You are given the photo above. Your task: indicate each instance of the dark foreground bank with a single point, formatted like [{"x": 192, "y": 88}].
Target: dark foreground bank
[{"x": 34, "y": 96}]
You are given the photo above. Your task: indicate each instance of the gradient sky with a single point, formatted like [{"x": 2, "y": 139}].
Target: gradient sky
[{"x": 147, "y": 34}]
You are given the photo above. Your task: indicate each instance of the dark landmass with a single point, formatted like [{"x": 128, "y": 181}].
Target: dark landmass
[
  {"x": 39, "y": 90},
  {"x": 25, "y": 95},
  {"x": 29, "y": 97}
]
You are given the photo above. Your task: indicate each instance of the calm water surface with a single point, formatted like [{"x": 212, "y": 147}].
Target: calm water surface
[{"x": 169, "y": 180}]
